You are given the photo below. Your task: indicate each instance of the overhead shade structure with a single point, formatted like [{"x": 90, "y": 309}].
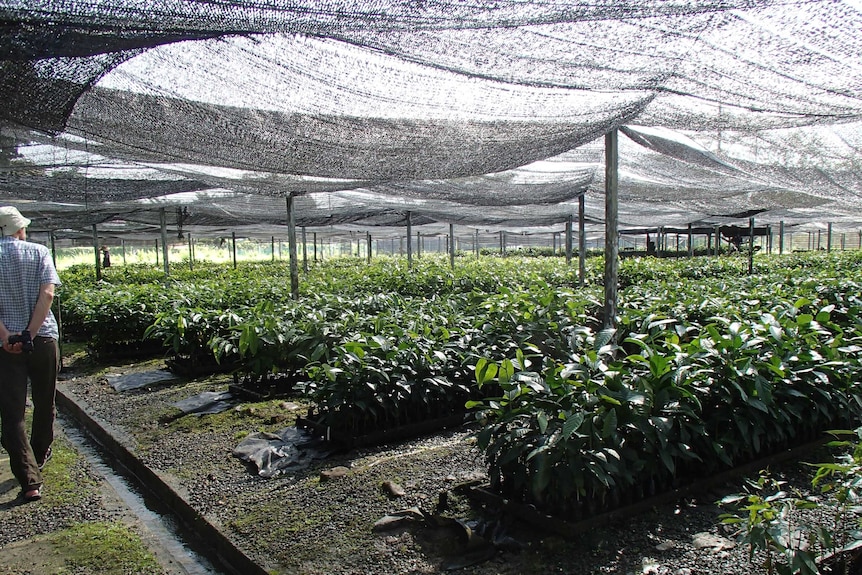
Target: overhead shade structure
[{"x": 486, "y": 115}]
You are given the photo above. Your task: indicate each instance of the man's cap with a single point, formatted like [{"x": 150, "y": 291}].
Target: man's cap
[{"x": 11, "y": 220}]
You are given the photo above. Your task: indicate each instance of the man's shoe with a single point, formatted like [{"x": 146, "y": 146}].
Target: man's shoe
[
  {"x": 47, "y": 458},
  {"x": 31, "y": 495}
]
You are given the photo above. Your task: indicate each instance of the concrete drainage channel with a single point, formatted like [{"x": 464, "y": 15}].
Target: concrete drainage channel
[
  {"x": 157, "y": 521},
  {"x": 185, "y": 537}
]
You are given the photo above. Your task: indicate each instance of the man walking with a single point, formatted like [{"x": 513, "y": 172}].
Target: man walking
[{"x": 29, "y": 335}]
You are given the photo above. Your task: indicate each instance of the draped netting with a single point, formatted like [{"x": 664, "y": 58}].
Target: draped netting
[{"x": 484, "y": 115}]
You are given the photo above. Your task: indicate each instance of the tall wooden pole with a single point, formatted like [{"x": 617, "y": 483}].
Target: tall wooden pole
[
  {"x": 452, "y": 246},
  {"x": 409, "y": 241},
  {"x": 163, "y": 222},
  {"x": 611, "y": 228},
  {"x": 568, "y": 240},
  {"x": 57, "y": 304},
  {"x": 304, "y": 252},
  {"x": 750, "y": 246},
  {"x": 291, "y": 238},
  {"x": 582, "y": 241},
  {"x": 233, "y": 248},
  {"x": 690, "y": 244},
  {"x": 96, "y": 253},
  {"x": 781, "y": 237}
]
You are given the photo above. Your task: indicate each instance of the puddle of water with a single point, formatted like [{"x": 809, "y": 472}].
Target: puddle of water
[{"x": 162, "y": 527}]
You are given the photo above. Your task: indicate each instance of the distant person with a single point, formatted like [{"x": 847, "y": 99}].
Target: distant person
[
  {"x": 29, "y": 336},
  {"x": 106, "y": 257}
]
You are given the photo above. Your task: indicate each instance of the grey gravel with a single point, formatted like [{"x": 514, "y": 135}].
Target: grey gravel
[{"x": 295, "y": 523}]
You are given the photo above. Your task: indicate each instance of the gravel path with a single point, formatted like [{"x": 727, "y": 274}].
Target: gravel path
[{"x": 299, "y": 523}]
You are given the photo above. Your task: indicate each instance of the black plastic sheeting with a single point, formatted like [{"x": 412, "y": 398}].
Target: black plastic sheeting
[
  {"x": 137, "y": 380},
  {"x": 271, "y": 454},
  {"x": 206, "y": 403}
]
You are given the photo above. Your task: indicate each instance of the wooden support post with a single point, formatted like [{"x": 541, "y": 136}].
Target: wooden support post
[
  {"x": 304, "y": 252},
  {"x": 291, "y": 242},
  {"x": 750, "y": 246},
  {"x": 582, "y": 241},
  {"x": 611, "y": 228},
  {"x": 690, "y": 244},
  {"x": 96, "y": 253},
  {"x": 829, "y": 237},
  {"x": 368, "y": 246},
  {"x": 53, "y": 248},
  {"x": 452, "y": 246},
  {"x": 58, "y": 308},
  {"x": 233, "y": 248},
  {"x": 191, "y": 255},
  {"x": 717, "y": 240},
  {"x": 163, "y": 222},
  {"x": 569, "y": 240},
  {"x": 409, "y": 241},
  {"x": 660, "y": 242},
  {"x": 781, "y": 237}
]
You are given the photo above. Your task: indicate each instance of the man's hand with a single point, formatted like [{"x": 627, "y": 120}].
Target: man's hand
[
  {"x": 12, "y": 347},
  {"x": 20, "y": 342}
]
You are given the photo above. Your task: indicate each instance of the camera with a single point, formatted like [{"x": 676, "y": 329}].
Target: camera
[{"x": 24, "y": 339}]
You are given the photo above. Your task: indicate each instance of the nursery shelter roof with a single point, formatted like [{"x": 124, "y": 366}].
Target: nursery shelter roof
[{"x": 487, "y": 115}]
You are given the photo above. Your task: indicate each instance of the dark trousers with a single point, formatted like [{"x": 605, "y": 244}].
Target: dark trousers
[{"x": 39, "y": 366}]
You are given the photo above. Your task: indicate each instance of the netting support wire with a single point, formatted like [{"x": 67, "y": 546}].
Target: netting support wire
[
  {"x": 233, "y": 248},
  {"x": 582, "y": 241},
  {"x": 781, "y": 237},
  {"x": 409, "y": 241},
  {"x": 612, "y": 240},
  {"x": 304, "y": 252},
  {"x": 452, "y": 246},
  {"x": 750, "y": 246},
  {"x": 96, "y": 253},
  {"x": 569, "y": 240},
  {"x": 163, "y": 222},
  {"x": 829, "y": 237},
  {"x": 291, "y": 242}
]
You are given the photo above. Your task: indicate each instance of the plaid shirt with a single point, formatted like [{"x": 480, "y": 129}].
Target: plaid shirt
[{"x": 24, "y": 268}]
